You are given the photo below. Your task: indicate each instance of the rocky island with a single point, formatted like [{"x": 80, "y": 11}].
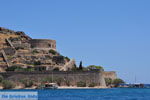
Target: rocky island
[{"x": 27, "y": 62}]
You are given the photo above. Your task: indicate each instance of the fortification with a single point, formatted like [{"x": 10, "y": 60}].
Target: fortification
[
  {"x": 43, "y": 44},
  {"x": 110, "y": 74},
  {"x": 24, "y": 57},
  {"x": 73, "y": 77}
]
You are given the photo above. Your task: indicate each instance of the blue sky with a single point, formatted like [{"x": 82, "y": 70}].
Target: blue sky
[{"x": 111, "y": 33}]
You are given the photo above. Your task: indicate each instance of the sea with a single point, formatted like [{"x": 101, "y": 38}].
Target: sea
[{"x": 90, "y": 94}]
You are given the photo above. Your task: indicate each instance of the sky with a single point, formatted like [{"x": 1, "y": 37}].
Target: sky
[{"x": 112, "y": 33}]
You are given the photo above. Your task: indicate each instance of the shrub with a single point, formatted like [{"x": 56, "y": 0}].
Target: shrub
[
  {"x": 52, "y": 52},
  {"x": 1, "y": 78},
  {"x": 58, "y": 80},
  {"x": 34, "y": 51},
  {"x": 47, "y": 79},
  {"x": 8, "y": 84},
  {"x": 13, "y": 68},
  {"x": 92, "y": 85},
  {"x": 74, "y": 69},
  {"x": 56, "y": 69},
  {"x": 29, "y": 69},
  {"x": 117, "y": 81},
  {"x": 17, "y": 48},
  {"x": 91, "y": 67},
  {"x": 81, "y": 84},
  {"x": 37, "y": 63},
  {"x": 67, "y": 82},
  {"x": 108, "y": 81},
  {"x": 27, "y": 82},
  {"x": 68, "y": 59}
]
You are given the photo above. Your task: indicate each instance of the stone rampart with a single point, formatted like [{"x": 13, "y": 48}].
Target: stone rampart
[
  {"x": 110, "y": 74},
  {"x": 73, "y": 77}
]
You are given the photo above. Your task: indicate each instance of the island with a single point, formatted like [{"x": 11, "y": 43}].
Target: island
[{"x": 28, "y": 63}]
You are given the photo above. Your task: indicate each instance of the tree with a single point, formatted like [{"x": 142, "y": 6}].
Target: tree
[
  {"x": 52, "y": 52},
  {"x": 68, "y": 59},
  {"x": 92, "y": 85},
  {"x": 91, "y": 67},
  {"x": 117, "y": 81},
  {"x": 8, "y": 84},
  {"x": 108, "y": 81},
  {"x": 80, "y": 66},
  {"x": 81, "y": 84}
]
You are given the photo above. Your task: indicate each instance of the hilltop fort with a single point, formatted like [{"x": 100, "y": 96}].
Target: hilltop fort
[{"x": 18, "y": 49}]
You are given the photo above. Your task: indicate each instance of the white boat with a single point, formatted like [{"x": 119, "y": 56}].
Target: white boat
[{"x": 48, "y": 86}]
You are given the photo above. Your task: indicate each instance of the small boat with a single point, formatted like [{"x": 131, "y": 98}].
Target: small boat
[{"x": 49, "y": 86}]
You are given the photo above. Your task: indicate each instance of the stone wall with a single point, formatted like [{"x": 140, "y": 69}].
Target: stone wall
[
  {"x": 9, "y": 51},
  {"x": 110, "y": 74},
  {"x": 73, "y": 77},
  {"x": 43, "y": 44}
]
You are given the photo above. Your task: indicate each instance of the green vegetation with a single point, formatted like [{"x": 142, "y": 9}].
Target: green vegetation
[
  {"x": 117, "y": 81},
  {"x": 17, "y": 48},
  {"x": 108, "y": 81},
  {"x": 37, "y": 63},
  {"x": 27, "y": 82},
  {"x": 91, "y": 67},
  {"x": 67, "y": 82},
  {"x": 14, "y": 68},
  {"x": 34, "y": 51},
  {"x": 74, "y": 69},
  {"x": 52, "y": 52},
  {"x": 19, "y": 68},
  {"x": 58, "y": 80},
  {"x": 68, "y": 59},
  {"x": 47, "y": 79},
  {"x": 114, "y": 82},
  {"x": 30, "y": 69},
  {"x": 92, "y": 85},
  {"x": 56, "y": 69},
  {"x": 7, "y": 84},
  {"x": 80, "y": 66},
  {"x": 1, "y": 79},
  {"x": 81, "y": 84}
]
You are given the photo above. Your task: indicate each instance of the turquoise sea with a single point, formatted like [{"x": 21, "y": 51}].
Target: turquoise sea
[{"x": 92, "y": 94}]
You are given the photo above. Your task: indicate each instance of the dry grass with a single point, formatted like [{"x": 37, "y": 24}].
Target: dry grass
[{"x": 5, "y": 36}]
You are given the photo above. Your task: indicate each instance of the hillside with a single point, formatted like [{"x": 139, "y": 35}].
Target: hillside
[{"x": 21, "y": 51}]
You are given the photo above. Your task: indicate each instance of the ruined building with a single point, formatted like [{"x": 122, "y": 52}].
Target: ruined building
[{"x": 18, "y": 49}]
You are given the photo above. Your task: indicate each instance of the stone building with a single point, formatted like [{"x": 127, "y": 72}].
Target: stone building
[{"x": 43, "y": 44}]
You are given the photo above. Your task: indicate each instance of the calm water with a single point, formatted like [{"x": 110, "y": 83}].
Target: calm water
[{"x": 93, "y": 94}]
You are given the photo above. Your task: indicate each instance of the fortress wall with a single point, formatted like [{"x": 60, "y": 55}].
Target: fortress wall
[
  {"x": 110, "y": 74},
  {"x": 73, "y": 77},
  {"x": 43, "y": 44}
]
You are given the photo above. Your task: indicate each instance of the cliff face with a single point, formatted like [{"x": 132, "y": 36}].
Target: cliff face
[{"x": 18, "y": 49}]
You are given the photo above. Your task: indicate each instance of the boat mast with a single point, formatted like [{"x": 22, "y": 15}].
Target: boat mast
[{"x": 52, "y": 76}]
